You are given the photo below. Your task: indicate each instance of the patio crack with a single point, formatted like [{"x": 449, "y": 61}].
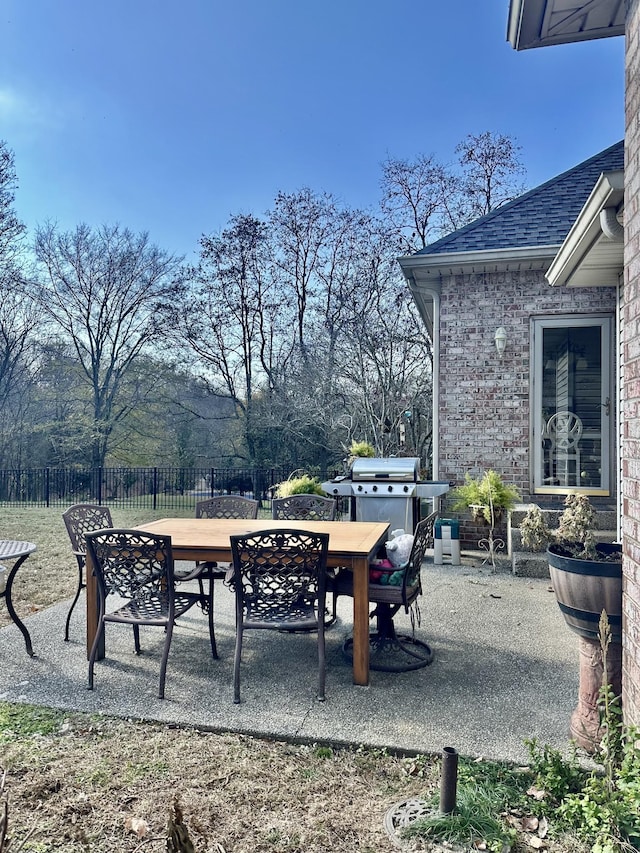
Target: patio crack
[{"x": 306, "y": 716}]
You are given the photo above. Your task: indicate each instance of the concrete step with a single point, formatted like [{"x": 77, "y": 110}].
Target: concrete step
[
  {"x": 605, "y": 519},
  {"x": 516, "y": 538},
  {"x": 528, "y": 564},
  {"x": 533, "y": 564}
]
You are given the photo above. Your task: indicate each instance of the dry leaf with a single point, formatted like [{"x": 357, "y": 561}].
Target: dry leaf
[
  {"x": 530, "y": 824},
  {"x": 543, "y": 827},
  {"x": 536, "y": 793},
  {"x": 537, "y": 843},
  {"x": 137, "y": 825}
]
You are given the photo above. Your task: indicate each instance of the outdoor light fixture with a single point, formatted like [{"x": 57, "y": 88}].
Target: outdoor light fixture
[{"x": 500, "y": 338}]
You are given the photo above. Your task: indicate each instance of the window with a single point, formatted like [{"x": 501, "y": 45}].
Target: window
[{"x": 571, "y": 409}]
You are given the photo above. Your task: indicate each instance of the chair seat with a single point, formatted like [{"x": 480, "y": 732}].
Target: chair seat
[
  {"x": 153, "y": 609},
  {"x": 378, "y": 593}
]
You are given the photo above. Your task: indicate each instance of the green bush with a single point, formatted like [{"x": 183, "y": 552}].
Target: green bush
[
  {"x": 302, "y": 485},
  {"x": 483, "y": 494}
]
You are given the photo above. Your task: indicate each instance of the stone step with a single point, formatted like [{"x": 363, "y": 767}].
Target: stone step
[
  {"x": 527, "y": 564},
  {"x": 533, "y": 564},
  {"x": 515, "y": 538},
  {"x": 606, "y": 519}
]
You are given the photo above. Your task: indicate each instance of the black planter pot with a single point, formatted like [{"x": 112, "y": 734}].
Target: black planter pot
[{"x": 584, "y": 588}]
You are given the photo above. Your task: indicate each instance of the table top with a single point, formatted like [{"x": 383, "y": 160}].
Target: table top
[
  {"x": 10, "y": 548},
  {"x": 349, "y": 538}
]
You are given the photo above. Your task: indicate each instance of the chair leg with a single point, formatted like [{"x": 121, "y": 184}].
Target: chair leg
[
  {"x": 212, "y": 634},
  {"x": 165, "y": 658},
  {"x": 73, "y": 603},
  {"x": 136, "y": 638},
  {"x": 389, "y": 651},
  {"x": 94, "y": 649},
  {"x": 236, "y": 663},
  {"x": 322, "y": 668}
]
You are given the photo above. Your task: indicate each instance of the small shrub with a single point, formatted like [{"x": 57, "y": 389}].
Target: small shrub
[
  {"x": 487, "y": 496},
  {"x": 534, "y": 531},
  {"x": 303, "y": 485},
  {"x": 362, "y": 449},
  {"x": 577, "y": 520}
]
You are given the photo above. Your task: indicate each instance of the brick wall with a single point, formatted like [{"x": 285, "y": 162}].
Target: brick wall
[
  {"x": 484, "y": 400},
  {"x": 631, "y": 382}
]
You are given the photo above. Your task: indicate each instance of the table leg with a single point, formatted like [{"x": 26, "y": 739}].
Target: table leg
[
  {"x": 92, "y": 609},
  {"x": 12, "y": 613},
  {"x": 361, "y": 622}
]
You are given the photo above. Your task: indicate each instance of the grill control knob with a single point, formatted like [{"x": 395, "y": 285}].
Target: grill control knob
[
  {"x": 359, "y": 488},
  {"x": 406, "y": 488},
  {"x": 375, "y": 488},
  {"x": 389, "y": 488}
]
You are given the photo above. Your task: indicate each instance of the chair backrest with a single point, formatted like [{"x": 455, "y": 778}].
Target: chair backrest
[
  {"x": 421, "y": 538},
  {"x": 300, "y": 507},
  {"x": 278, "y": 574},
  {"x": 564, "y": 430},
  {"x": 81, "y": 519},
  {"x": 131, "y": 563},
  {"x": 227, "y": 506}
]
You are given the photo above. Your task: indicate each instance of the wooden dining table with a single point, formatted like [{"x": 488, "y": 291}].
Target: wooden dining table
[{"x": 352, "y": 544}]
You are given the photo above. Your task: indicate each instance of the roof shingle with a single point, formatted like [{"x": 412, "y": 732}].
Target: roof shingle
[{"x": 541, "y": 217}]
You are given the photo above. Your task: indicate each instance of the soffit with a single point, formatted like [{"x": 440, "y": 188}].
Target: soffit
[
  {"x": 588, "y": 258},
  {"x": 538, "y": 23},
  {"x": 429, "y": 270}
]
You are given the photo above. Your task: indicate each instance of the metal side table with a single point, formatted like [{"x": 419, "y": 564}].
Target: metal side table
[{"x": 17, "y": 551}]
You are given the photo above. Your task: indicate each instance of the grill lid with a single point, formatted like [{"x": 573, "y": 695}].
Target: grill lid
[{"x": 396, "y": 469}]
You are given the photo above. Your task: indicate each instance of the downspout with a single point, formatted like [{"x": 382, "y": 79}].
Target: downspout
[
  {"x": 422, "y": 294},
  {"x": 611, "y": 228}
]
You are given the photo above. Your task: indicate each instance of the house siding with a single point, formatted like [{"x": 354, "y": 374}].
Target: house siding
[
  {"x": 631, "y": 379},
  {"x": 484, "y": 400}
]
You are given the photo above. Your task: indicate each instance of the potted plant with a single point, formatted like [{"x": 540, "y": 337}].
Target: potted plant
[
  {"x": 488, "y": 497},
  {"x": 587, "y": 580},
  {"x": 586, "y": 575},
  {"x": 360, "y": 449},
  {"x": 299, "y": 484}
]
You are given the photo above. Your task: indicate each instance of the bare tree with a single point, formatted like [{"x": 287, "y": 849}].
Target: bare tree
[
  {"x": 422, "y": 200},
  {"x": 101, "y": 291},
  {"x": 491, "y": 165},
  {"x": 413, "y": 193},
  {"x": 237, "y": 323},
  {"x": 11, "y": 229},
  {"x": 17, "y": 320}
]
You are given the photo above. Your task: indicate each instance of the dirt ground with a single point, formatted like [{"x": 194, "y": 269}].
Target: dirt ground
[{"x": 105, "y": 785}]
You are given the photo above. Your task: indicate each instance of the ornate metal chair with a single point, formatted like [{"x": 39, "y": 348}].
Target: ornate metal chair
[
  {"x": 138, "y": 567},
  {"x": 279, "y": 581},
  {"x": 224, "y": 506},
  {"x": 79, "y": 520},
  {"x": 304, "y": 507},
  {"x": 310, "y": 508},
  {"x": 390, "y": 651}
]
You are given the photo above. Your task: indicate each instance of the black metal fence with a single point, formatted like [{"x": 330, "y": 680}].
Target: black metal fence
[{"x": 154, "y": 488}]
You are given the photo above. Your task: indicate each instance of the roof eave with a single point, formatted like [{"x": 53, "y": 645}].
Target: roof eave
[
  {"x": 575, "y": 265},
  {"x": 529, "y": 23},
  {"x": 430, "y": 269}
]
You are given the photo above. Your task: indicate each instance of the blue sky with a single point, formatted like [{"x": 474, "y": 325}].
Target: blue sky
[{"x": 171, "y": 117}]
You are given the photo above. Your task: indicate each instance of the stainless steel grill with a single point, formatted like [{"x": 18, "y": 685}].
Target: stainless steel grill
[{"x": 386, "y": 489}]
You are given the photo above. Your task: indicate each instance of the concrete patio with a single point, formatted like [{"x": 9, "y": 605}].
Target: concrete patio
[{"x": 505, "y": 669}]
